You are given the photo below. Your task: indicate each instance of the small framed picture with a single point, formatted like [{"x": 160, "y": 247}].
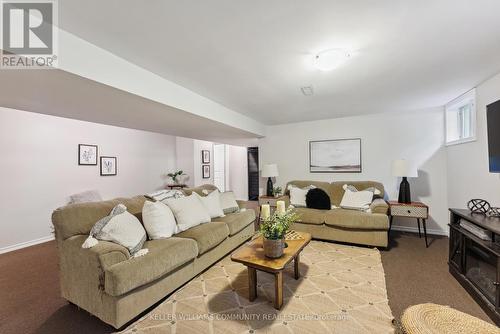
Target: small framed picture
[
  {"x": 108, "y": 166},
  {"x": 205, "y": 156},
  {"x": 205, "y": 171},
  {"x": 87, "y": 155}
]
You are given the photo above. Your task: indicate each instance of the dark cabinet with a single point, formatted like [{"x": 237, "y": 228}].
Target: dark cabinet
[{"x": 475, "y": 262}]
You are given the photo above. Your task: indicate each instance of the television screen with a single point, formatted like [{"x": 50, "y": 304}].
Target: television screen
[{"x": 493, "y": 114}]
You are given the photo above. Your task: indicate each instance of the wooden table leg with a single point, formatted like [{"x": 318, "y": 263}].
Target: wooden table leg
[
  {"x": 425, "y": 232},
  {"x": 278, "y": 287},
  {"x": 252, "y": 284},
  {"x": 296, "y": 266}
]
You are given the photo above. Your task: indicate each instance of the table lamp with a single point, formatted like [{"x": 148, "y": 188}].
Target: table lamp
[
  {"x": 402, "y": 168},
  {"x": 269, "y": 171}
]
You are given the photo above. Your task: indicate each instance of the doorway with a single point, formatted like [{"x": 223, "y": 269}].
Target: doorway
[{"x": 253, "y": 173}]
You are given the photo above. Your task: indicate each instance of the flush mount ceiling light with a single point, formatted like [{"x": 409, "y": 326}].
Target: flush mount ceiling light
[{"x": 330, "y": 59}]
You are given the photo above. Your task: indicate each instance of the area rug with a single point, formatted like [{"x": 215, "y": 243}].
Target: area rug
[{"x": 341, "y": 290}]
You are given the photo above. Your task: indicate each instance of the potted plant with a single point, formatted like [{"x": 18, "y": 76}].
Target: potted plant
[
  {"x": 175, "y": 175},
  {"x": 277, "y": 191},
  {"x": 273, "y": 231}
]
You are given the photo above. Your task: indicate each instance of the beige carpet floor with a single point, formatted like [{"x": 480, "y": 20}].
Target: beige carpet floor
[{"x": 341, "y": 290}]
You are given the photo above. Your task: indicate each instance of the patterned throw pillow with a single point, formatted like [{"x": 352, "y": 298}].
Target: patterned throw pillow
[
  {"x": 375, "y": 191},
  {"x": 120, "y": 227},
  {"x": 163, "y": 195}
]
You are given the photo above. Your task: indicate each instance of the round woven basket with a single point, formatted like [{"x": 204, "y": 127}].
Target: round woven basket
[{"x": 434, "y": 319}]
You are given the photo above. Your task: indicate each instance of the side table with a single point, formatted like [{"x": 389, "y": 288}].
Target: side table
[{"x": 417, "y": 210}]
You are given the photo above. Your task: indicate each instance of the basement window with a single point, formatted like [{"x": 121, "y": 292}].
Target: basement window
[{"x": 461, "y": 119}]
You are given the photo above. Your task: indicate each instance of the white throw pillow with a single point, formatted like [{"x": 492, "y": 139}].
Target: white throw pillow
[
  {"x": 228, "y": 202},
  {"x": 120, "y": 227},
  {"x": 188, "y": 211},
  {"x": 212, "y": 204},
  {"x": 356, "y": 200},
  {"x": 298, "y": 195},
  {"x": 158, "y": 220}
]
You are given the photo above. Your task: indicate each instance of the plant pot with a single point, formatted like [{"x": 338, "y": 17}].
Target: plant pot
[{"x": 273, "y": 248}]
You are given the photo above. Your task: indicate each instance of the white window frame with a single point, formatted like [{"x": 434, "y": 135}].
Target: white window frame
[{"x": 465, "y": 99}]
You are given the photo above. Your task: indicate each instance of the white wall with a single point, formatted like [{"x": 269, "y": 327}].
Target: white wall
[
  {"x": 184, "y": 148},
  {"x": 416, "y": 136},
  {"x": 468, "y": 173},
  {"x": 198, "y": 146},
  {"x": 39, "y": 168},
  {"x": 189, "y": 160}
]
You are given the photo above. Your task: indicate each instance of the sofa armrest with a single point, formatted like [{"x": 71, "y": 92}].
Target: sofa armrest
[
  {"x": 86, "y": 267},
  {"x": 379, "y": 206}
]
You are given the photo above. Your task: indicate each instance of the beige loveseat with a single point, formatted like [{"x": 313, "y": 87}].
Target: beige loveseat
[
  {"x": 343, "y": 225},
  {"x": 107, "y": 282}
]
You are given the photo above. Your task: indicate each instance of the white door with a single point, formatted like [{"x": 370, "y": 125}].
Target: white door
[{"x": 220, "y": 166}]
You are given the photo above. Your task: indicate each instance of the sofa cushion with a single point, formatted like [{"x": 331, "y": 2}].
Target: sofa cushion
[
  {"x": 237, "y": 221},
  {"x": 311, "y": 216},
  {"x": 356, "y": 219},
  {"x": 207, "y": 236},
  {"x": 75, "y": 219},
  {"x": 165, "y": 255}
]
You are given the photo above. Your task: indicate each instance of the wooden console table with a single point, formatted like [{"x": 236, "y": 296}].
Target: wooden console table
[{"x": 475, "y": 262}]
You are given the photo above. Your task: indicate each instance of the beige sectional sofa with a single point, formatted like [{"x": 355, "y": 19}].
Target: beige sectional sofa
[
  {"x": 343, "y": 225},
  {"x": 107, "y": 282}
]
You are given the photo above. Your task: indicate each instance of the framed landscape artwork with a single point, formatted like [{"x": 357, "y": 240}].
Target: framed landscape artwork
[
  {"x": 108, "y": 166},
  {"x": 205, "y": 156},
  {"x": 87, "y": 155},
  {"x": 335, "y": 156},
  {"x": 205, "y": 171}
]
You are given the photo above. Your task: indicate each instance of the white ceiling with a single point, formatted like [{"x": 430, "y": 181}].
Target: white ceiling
[
  {"x": 253, "y": 56},
  {"x": 58, "y": 93}
]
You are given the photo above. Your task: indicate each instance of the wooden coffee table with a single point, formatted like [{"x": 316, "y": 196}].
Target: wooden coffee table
[{"x": 252, "y": 255}]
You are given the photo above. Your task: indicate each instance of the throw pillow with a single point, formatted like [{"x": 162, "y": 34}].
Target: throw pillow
[
  {"x": 188, "y": 211},
  {"x": 163, "y": 195},
  {"x": 120, "y": 227},
  {"x": 85, "y": 197},
  {"x": 228, "y": 202},
  {"x": 158, "y": 220},
  {"x": 298, "y": 195},
  {"x": 212, "y": 204},
  {"x": 356, "y": 200},
  {"x": 318, "y": 199},
  {"x": 374, "y": 190}
]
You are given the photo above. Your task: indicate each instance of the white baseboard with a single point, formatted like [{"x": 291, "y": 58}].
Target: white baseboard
[
  {"x": 26, "y": 244},
  {"x": 415, "y": 230}
]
